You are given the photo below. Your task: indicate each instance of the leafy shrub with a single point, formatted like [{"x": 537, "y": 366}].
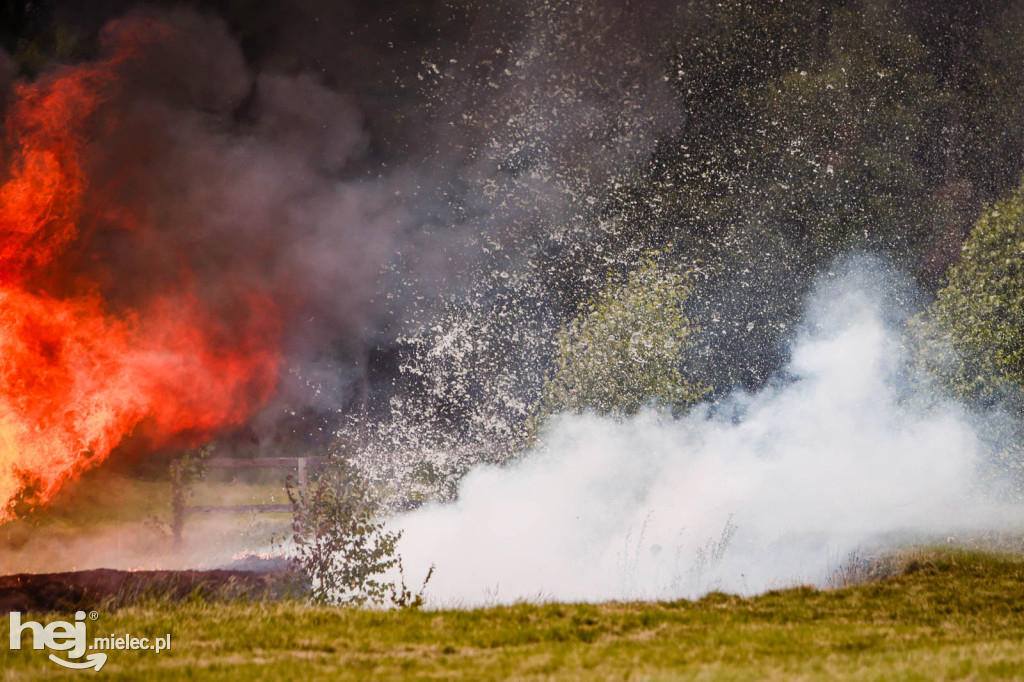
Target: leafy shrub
[
  {"x": 626, "y": 349},
  {"x": 972, "y": 337},
  {"x": 341, "y": 547}
]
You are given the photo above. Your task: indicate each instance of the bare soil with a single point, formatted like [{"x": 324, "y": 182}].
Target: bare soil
[{"x": 109, "y": 589}]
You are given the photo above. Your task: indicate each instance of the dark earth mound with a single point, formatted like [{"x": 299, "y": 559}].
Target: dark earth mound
[{"x": 107, "y": 588}]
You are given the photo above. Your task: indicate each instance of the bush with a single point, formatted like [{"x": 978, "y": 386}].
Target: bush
[
  {"x": 972, "y": 337},
  {"x": 341, "y": 547},
  {"x": 626, "y": 349}
]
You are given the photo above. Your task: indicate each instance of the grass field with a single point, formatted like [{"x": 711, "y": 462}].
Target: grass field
[{"x": 942, "y": 616}]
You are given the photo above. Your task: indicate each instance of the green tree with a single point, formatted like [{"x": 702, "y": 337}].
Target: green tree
[
  {"x": 626, "y": 349},
  {"x": 972, "y": 337},
  {"x": 811, "y": 130}
]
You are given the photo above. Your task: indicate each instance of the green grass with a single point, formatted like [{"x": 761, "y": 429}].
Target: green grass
[{"x": 944, "y": 615}]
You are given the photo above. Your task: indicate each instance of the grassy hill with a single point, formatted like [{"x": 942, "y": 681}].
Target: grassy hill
[{"x": 941, "y": 615}]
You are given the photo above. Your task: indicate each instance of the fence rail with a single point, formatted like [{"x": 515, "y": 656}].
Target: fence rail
[{"x": 179, "y": 510}]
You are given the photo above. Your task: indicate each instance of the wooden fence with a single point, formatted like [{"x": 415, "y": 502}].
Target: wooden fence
[{"x": 301, "y": 465}]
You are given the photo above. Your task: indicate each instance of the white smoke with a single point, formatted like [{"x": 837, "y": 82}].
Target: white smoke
[{"x": 760, "y": 491}]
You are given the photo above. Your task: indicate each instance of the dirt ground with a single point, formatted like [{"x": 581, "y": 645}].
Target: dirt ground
[{"x": 106, "y": 588}]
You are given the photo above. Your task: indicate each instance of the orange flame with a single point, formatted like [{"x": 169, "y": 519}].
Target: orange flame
[{"x": 76, "y": 375}]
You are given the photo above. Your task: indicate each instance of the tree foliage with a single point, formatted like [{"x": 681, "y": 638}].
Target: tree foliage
[
  {"x": 972, "y": 338},
  {"x": 814, "y": 128},
  {"x": 626, "y": 348}
]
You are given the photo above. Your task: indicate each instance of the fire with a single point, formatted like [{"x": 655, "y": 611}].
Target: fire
[{"x": 79, "y": 372}]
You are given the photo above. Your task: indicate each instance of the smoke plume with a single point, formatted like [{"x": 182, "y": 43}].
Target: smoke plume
[
  {"x": 757, "y": 491},
  {"x": 197, "y": 239}
]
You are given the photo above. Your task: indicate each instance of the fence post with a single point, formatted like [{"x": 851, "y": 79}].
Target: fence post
[
  {"x": 177, "y": 502},
  {"x": 301, "y": 473}
]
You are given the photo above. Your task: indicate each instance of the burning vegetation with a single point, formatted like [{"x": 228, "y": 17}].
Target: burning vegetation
[
  {"x": 83, "y": 365},
  {"x": 674, "y": 261}
]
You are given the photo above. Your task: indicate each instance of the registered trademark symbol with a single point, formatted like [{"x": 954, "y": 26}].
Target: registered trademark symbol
[{"x": 93, "y": 615}]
